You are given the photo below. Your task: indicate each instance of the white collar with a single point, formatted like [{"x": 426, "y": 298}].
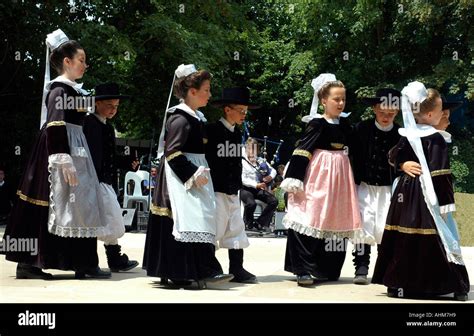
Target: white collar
[
  {"x": 101, "y": 119},
  {"x": 446, "y": 136},
  {"x": 334, "y": 121},
  {"x": 184, "y": 107},
  {"x": 2, "y": 183},
  {"x": 227, "y": 124},
  {"x": 62, "y": 79},
  {"x": 423, "y": 130},
  {"x": 384, "y": 128},
  {"x": 308, "y": 118}
]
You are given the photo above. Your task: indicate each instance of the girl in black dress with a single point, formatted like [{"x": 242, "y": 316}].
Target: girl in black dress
[
  {"x": 57, "y": 206},
  {"x": 420, "y": 254},
  {"x": 181, "y": 237}
]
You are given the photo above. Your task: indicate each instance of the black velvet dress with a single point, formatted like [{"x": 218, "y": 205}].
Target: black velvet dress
[
  {"x": 164, "y": 256},
  {"x": 29, "y": 217},
  {"x": 321, "y": 257},
  {"x": 411, "y": 256}
]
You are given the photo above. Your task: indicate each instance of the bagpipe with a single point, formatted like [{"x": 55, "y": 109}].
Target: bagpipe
[{"x": 263, "y": 168}]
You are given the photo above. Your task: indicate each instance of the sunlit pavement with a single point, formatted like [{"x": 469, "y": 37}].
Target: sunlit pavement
[{"x": 264, "y": 258}]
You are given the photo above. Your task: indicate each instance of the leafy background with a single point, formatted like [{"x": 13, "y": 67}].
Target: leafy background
[{"x": 274, "y": 47}]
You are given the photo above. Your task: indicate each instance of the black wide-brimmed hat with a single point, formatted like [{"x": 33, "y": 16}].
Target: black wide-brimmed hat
[
  {"x": 452, "y": 105},
  {"x": 239, "y": 96},
  {"x": 385, "y": 94},
  {"x": 107, "y": 91}
]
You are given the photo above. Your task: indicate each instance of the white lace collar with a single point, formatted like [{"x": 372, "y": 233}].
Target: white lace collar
[
  {"x": 62, "y": 79},
  {"x": 184, "y": 107}
]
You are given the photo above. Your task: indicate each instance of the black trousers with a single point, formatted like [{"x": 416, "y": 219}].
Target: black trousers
[{"x": 248, "y": 197}]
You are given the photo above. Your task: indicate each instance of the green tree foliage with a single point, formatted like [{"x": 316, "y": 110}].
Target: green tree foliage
[{"x": 275, "y": 47}]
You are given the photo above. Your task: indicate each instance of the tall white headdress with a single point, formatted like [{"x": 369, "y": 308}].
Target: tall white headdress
[
  {"x": 181, "y": 71},
  {"x": 413, "y": 95},
  {"x": 317, "y": 83},
  {"x": 53, "y": 40}
]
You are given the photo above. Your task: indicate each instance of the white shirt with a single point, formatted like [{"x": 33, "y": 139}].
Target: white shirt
[{"x": 249, "y": 173}]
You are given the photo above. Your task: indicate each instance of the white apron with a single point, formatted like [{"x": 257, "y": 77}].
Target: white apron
[{"x": 194, "y": 210}]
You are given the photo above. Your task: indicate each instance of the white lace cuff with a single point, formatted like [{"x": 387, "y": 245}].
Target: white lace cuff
[
  {"x": 60, "y": 159},
  {"x": 292, "y": 185},
  {"x": 189, "y": 183},
  {"x": 447, "y": 208}
]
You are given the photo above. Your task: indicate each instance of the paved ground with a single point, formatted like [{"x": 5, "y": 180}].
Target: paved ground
[{"x": 264, "y": 258}]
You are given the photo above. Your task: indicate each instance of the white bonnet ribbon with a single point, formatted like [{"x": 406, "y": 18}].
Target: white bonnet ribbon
[
  {"x": 181, "y": 71},
  {"x": 317, "y": 83},
  {"x": 415, "y": 92},
  {"x": 53, "y": 40},
  {"x": 45, "y": 90}
]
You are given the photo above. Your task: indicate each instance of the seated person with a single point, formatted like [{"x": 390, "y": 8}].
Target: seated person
[
  {"x": 153, "y": 176},
  {"x": 256, "y": 174}
]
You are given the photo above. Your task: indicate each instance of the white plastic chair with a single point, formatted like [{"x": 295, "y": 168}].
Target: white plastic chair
[{"x": 137, "y": 195}]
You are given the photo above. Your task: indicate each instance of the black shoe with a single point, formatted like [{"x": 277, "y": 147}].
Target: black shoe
[
  {"x": 258, "y": 226},
  {"x": 24, "y": 271},
  {"x": 219, "y": 278},
  {"x": 95, "y": 273},
  {"x": 461, "y": 296},
  {"x": 243, "y": 276},
  {"x": 118, "y": 262},
  {"x": 181, "y": 283},
  {"x": 360, "y": 280},
  {"x": 318, "y": 276},
  {"x": 127, "y": 266},
  {"x": 216, "y": 279},
  {"x": 304, "y": 280},
  {"x": 255, "y": 227}
]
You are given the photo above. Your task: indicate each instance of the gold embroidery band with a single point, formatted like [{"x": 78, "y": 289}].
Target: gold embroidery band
[
  {"x": 410, "y": 230},
  {"x": 337, "y": 145},
  {"x": 174, "y": 155},
  {"x": 302, "y": 152},
  {"x": 31, "y": 200},
  {"x": 161, "y": 211},
  {"x": 56, "y": 123},
  {"x": 441, "y": 172}
]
